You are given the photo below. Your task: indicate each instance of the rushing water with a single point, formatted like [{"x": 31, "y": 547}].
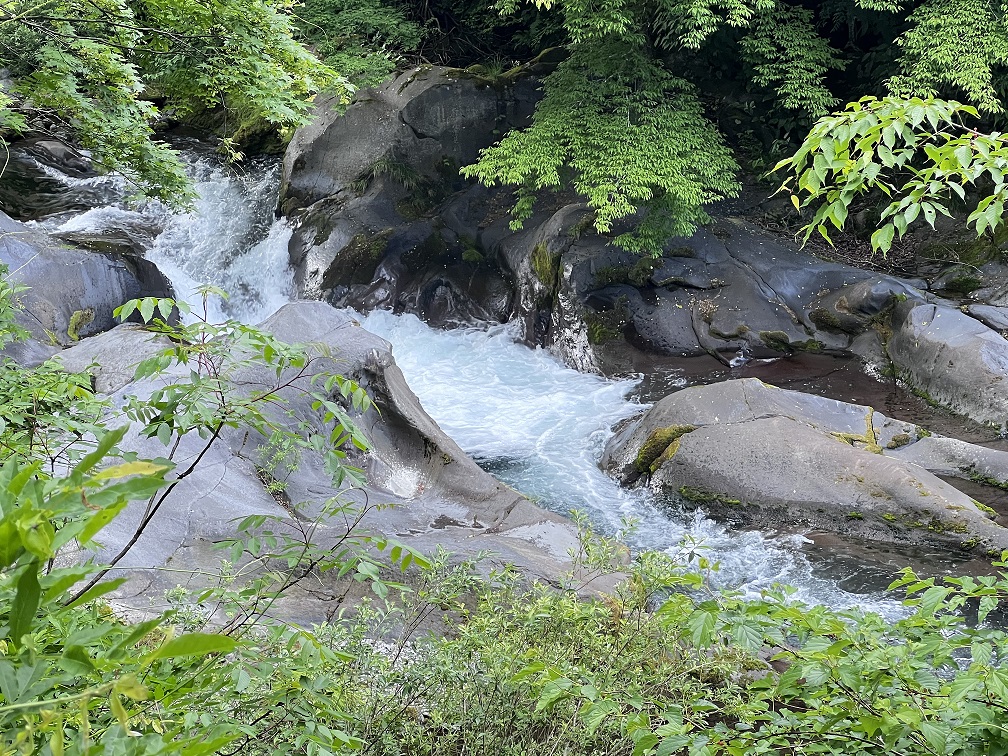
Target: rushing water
[
  {"x": 540, "y": 427},
  {"x": 230, "y": 240},
  {"x": 535, "y": 423}
]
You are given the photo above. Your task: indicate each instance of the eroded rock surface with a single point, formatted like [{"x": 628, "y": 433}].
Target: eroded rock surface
[
  {"x": 383, "y": 220},
  {"x": 382, "y": 217},
  {"x": 755, "y": 455},
  {"x": 72, "y": 292},
  {"x": 439, "y": 495}
]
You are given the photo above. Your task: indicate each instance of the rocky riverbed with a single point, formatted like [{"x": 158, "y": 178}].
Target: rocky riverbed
[{"x": 373, "y": 215}]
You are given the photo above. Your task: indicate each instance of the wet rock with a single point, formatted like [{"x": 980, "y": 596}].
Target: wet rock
[
  {"x": 758, "y": 456},
  {"x": 725, "y": 290},
  {"x": 952, "y": 359},
  {"x": 852, "y": 309},
  {"x": 44, "y": 177},
  {"x": 954, "y": 458},
  {"x": 382, "y": 216},
  {"x": 439, "y": 496},
  {"x": 72, "y": 292}
]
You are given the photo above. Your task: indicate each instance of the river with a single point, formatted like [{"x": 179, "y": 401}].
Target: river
[{"x": 523, "y": 415}]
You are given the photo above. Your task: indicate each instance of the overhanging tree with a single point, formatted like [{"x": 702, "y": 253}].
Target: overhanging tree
[
  {"x": 628, "y": 120},
  {"x": 100, "y": 72}
]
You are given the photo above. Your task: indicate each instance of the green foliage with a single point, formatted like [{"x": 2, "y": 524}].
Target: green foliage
[
  {"x": 362, "y": 39},
  {"x": 662, "y": 158},
  {"x": 92, "y": 69},
  {"x": 664, "y": 663},
  {"x": 690, "y": 23},
  {"x": 622, "y": 122},
  {"x": 73, "y": 678},
  {"x": 931, "y": 65},
  {"x": 766, "y": 66},
  {"x": 10, "y": 331},
  {"x": 788, "y": 55},
  {"x": 916, "y": 152}
]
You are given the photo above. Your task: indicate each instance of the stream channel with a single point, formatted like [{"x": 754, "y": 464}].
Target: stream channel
[{"x": 523, "y": 415}]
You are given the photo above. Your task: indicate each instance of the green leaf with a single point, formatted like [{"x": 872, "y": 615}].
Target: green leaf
[
  {"x": 193, "y": 644},
  {"x": 882, "y": 238},
  {"x": 96, "y": 591},
  {"x": 596, "y": 712},
  {"x": 701, "y": 626},
  {"x": 25, "y": 603},
  {"x": 935, "y": 733}
]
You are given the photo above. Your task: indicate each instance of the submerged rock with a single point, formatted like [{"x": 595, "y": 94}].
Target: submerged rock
[
  {"x": 754, "y": 455},
  {"x": 43, "y": 177},
  {"x": 428, "y": 492}
]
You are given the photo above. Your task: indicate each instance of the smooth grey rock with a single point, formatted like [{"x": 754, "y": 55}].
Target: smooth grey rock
[
  {"x": 438, "y": 495},
  {"x": 382, "y": 217},
  {"x": 111, "y": 357},
  {"x": 990, "y": 316},
  {"x": 954, "y": 359},
  {"x": 765, "y": 457},
  {"x": 72, "y": 292},
  {"x": 425, "y": 115},
  {"x": 852, "y": 308},
  {"x": 955, "y": 458}
]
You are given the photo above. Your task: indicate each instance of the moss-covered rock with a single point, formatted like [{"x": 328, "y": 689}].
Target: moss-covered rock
[
  {"x": 546, "y": 265},
  {"x": 357, "y": 261},
  {"x": 657, "y": 444}
]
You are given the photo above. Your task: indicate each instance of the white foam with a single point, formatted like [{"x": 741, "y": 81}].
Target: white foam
[{"x": 541, "y": 426}]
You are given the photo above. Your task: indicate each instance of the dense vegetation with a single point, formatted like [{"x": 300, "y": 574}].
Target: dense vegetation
[{"x": 656, "y": 110}]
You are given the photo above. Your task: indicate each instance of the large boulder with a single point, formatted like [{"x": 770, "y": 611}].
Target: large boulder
[
  {"x": 383, "y": 220},
  {"x": 382, "y": 217},
  {"x": 727, "y": 290},
  {"x": 71, "y": 292},
  {"x": 427, "y": 491},
  {"x": 952, "y": 359},
  {"x": 755, "y": 455}
]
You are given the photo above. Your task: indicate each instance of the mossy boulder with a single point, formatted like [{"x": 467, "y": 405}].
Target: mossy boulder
[{"x": 754, "y": 455}]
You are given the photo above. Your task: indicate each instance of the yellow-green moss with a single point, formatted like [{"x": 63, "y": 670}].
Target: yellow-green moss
[
  {"x": 900, "y": 439},
  {"x": 937, "y": 526},
  {"x": 78, "y": 320},
  {"x": 776, "y": 340},
  {"x": 545, "y": 265},
  {"x": 701, "y": 496},
  {"x": 868, "y": 438},
  {"x": 358, "y": 259},
  {"x": 641, "y": 272},
  {"x": 984, "y": 508},
  {"x": 823, "y": 318},
  {"x": 987, "y": 480},
  {"x": 611, "y": 274},
  {"x": 657, "y": 444}
]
